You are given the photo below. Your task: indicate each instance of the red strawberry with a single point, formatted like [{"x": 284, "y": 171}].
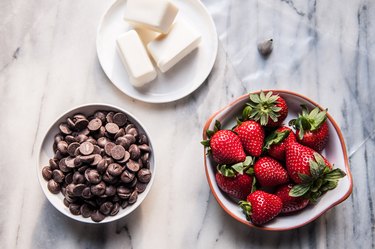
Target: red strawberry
[
  {"x": 233, "y": 181},
  {"x": 269, "y": 109},
  {"x": 290, "y": 204},
  {"x": 311, "y": 171},
  {"x": 276, "y": 142},
  {"x": 251, "y": 135},
  {"x": 261, "y": 207},
  {"x": 312, "y": 128},
  {"x": 225, "y": 146},
  {"x": 270, "y": 172}
]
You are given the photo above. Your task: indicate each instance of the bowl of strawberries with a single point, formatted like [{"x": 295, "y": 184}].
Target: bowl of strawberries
[{"x": 275, "y": 160}]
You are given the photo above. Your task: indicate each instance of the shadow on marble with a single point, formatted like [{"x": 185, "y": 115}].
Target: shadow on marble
[
  {"x": 295, "y": 238},
  {"x": 55, "y": 230}
]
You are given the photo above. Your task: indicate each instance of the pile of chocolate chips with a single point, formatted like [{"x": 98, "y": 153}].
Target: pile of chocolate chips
[{"x": 101, "y": 164}]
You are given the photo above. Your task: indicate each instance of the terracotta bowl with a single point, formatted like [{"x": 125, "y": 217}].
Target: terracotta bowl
[
  {"x": 335, "y": 152},
  {"x": 46, "y": 152}
]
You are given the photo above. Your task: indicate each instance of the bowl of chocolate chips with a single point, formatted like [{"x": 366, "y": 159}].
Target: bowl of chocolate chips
[{"x": 96, "y": 163}]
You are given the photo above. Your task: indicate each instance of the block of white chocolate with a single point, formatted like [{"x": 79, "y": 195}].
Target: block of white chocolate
[
  {"x": 157, "y": 15},
  {"x": 168, "y": 50},
  {"x": 135, "y": 59}
]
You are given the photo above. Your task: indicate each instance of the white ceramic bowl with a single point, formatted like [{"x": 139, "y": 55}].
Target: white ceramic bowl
[
  {"x": 335, "y": 152},
  {"x": 46, "y": 152}
]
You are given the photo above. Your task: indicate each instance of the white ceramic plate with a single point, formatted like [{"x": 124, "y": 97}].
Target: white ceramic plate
[
  {"x": 46, "y": 152},
  {"x": 335, "y": 153},
  {"x": 179, "y": 81}
]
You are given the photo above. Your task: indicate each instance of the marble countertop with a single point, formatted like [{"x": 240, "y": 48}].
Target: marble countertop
[{"x": 48, "y": 64}]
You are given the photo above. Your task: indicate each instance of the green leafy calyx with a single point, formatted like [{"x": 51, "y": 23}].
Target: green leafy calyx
[
  {"x": 238, "y": 168},
  {"x": 308, "y": 121},
  {"x": 262, "y": 107},
  {"x": 246, "y": 208},
  {"x": 275, "y": 138}
]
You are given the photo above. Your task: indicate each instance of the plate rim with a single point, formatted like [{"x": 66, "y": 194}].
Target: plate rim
[
  {"x": 343, "y": 148},
  {"x": 41, "y": 180},
  {"x": 158, "y": 100}
]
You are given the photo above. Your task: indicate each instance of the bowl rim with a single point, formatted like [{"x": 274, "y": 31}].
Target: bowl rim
[
  {"x": 41, "y": 180},
  {"x": 343, "y": 147}
]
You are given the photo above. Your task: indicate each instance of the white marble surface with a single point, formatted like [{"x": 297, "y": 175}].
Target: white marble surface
[{"x": 48, "y": 64}]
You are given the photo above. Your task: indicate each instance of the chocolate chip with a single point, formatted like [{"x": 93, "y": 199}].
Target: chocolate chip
[
  {"x": 86, "y": 148},
  {"x": 108, "y": 148},
  {"x": 70, "y": 139},
  {"x": 97, "y": 159},
  {"x": 115, "y": 169},
  {"x": 64, "y": 128},
  {"x": 118, "y": 152},
  {"x": 86, "y": 193},
  {"x": 69, "y": 178},
  {"x": 69, "y": 190},
  {"x": 62, "y": 166},
  {"x": 81, "y": 124},
  {"x": 120, "y": 133},
  {"x": 81, "y": 138},
  {"x": 58, "y": 176},
  {"x": 128, "y": 127},
  {"x": 133, "y": 131},
  {"x": 102, "y": 166},
  {"x": 77, "y": 178},
  {"x": 123, "y": 192},
  {"x": 115, "y": 209},
  {"x": 87, "y": 159},
  {"x": 100, "y": 115},
  {"x": 96, "y": 150},
  {"x": 93, "y": 176},
  {"x": 102, "y": 141},
  {"x": 140, "y": 187},
  {"x": 47, "y": 173},
  {"x": 72, "y": 148},
  {"x": 86, "y": 211},
  {"x": 66, "y": 202},
  {"x": 58, "y": 138},
  {"x": 75, "y": 209},
  {"x": 98, "y": 189},
  {"x": 134, "y": 151},
  {"x": 133, "y": 165},
  {"x": 127, "y": 176},
  {"x": 143, "y": 139},
  {"x": 97, "y": 216},
  {"x": 112, "y": 128},
  {"x": 145, "y": 157},
  {"x": 109, "y": 117},
  {"x": 53, "y": 187},
  {"x": 120, "y": 119},
  {"x": 133, "y": 197},
  {"x": 58, "y": 155},
  {"x": 106, "y": 208},
  {"x": 53, "y": 163},
  {"x": 70, "y": 162},
  {"x": 62, "y": 146},
  {"x": 144, "y": 175},
  {"x": 144, "y": 147},
  {"x": 125, "y": 159},
  {"x": 95, "y": 124}
]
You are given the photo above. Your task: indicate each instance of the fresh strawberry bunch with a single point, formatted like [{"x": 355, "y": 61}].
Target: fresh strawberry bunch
[{"x": 271, "y": 168}]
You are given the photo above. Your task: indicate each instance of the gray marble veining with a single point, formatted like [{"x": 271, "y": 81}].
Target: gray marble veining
[{"x": 48, "y": 64}]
